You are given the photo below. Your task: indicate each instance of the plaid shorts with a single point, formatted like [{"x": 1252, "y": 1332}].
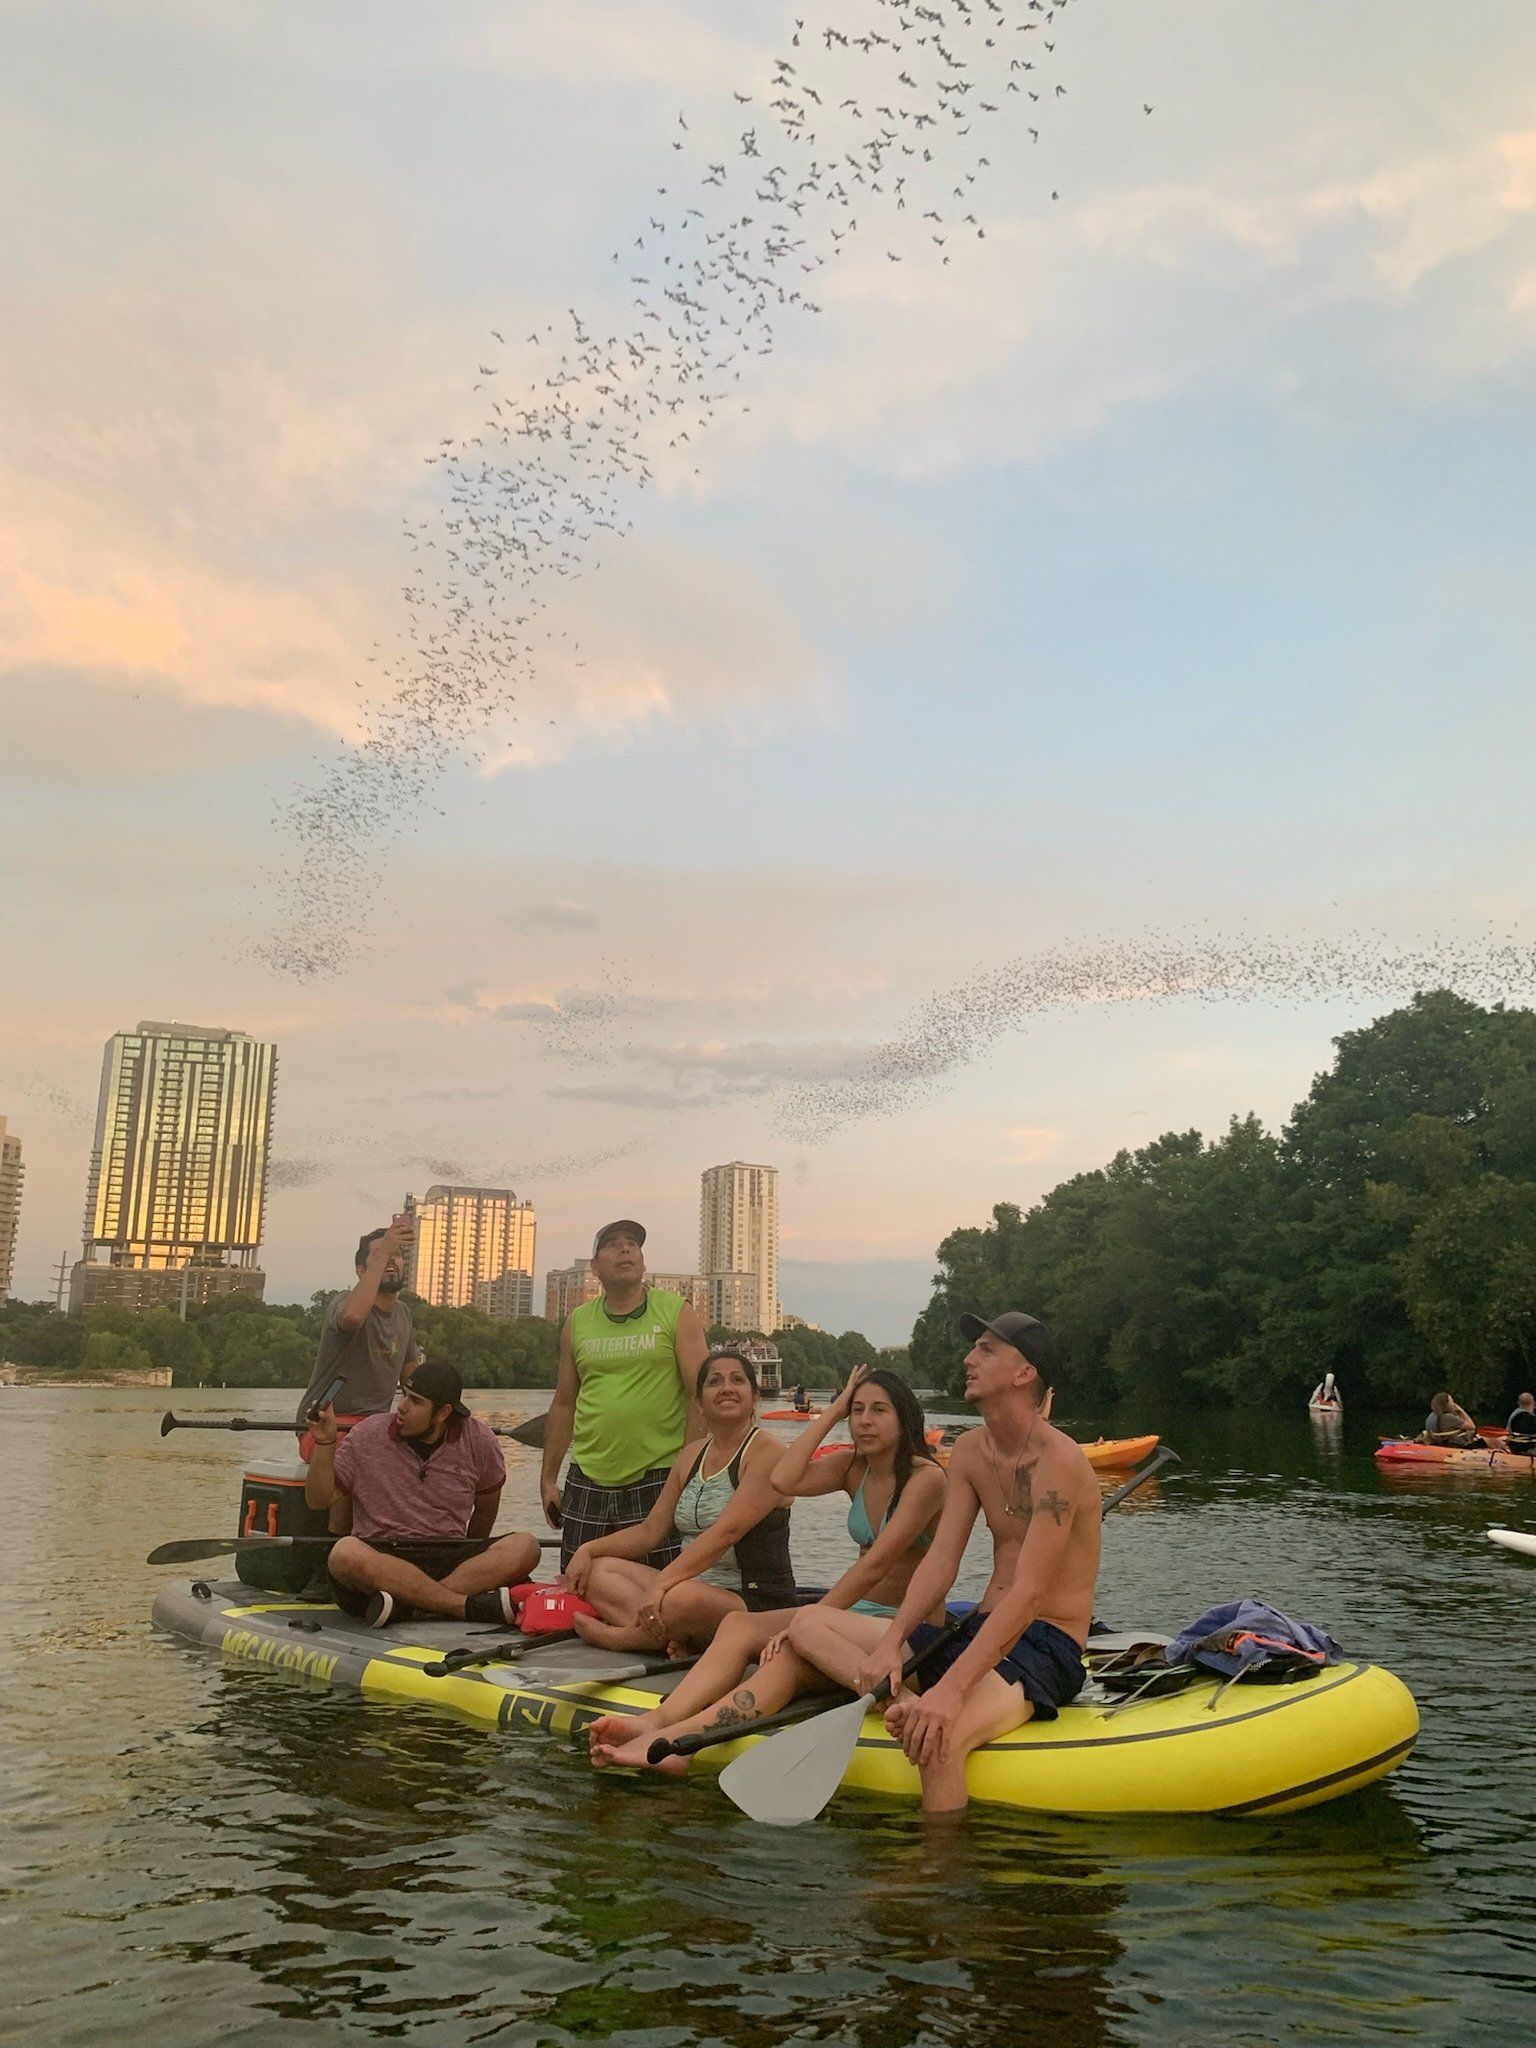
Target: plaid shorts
[{"x": 588, "y": 1511}]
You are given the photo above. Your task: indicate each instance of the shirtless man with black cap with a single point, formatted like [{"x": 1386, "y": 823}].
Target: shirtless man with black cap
[{"x": 1019, "y": 1655}]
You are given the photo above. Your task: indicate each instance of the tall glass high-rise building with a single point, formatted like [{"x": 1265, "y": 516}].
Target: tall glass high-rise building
[
  {"x": 739, "y": 1233},
  {"x": 465, "y": 1237},
  {"x": 179, "y": 1167}
]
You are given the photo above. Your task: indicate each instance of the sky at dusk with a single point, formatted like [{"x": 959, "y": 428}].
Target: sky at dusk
[{"x": 1152, "y": 579}]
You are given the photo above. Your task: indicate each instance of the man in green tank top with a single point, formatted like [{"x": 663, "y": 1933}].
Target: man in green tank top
[{"x": 629, "y": 1364}]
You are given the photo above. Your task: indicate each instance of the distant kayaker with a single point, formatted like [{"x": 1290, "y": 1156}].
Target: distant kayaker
[
  {"x": 403, "y": 1490},
  {"x": 895, "y": 1489},
  {"x": 367, "y": 1334},
  {"x": 1449, "y": 1423},
  {"x": 719, "y": 1513},
  {"x": 629, "y": 1362},
  {"x": 1522, "y": 1426},
  {"x": 1020, "y": 1654},
  {"x": 802, "y": 1400}
]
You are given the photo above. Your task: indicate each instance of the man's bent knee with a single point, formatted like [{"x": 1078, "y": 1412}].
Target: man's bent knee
[{"x": 352, "y": 1561}]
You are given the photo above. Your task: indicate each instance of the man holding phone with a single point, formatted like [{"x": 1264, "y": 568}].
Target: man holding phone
[{"x": 367, "y": 1341}]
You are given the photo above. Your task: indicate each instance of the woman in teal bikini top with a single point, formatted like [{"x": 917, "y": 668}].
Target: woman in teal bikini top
[{"x": 895, "y": 1487}]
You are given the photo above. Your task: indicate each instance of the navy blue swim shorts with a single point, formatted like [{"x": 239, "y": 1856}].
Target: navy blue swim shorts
[{"x": 1045, "y": 1661}]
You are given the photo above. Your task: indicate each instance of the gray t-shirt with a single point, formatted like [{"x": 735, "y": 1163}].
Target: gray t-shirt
[{"x": 371, "y": 1358}]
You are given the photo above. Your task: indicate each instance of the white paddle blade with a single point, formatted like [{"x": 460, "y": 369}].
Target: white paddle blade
[{"x": 790, "y": 1777}]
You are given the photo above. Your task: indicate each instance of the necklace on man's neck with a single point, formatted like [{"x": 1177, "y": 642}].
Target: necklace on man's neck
[{"x": 1011, "y": 1506}]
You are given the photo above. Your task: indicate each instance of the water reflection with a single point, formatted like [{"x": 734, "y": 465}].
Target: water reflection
[{"x": 195, "y": 1852}]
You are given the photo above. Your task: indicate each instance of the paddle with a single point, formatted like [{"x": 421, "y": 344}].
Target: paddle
[
  {"x": 791, "y": 1778},
  {"x": 531, "y": 1433},
  {"x": 464, "y": 1658},
  {"x": 815, "y": 1703},
  {"x": 609, "y": 1674},
  {"x": 193, "y": 1549}
]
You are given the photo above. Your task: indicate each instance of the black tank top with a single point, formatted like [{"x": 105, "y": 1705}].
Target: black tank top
[{"x": 762, "y": 1552}]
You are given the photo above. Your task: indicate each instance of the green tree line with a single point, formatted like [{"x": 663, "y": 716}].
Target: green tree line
[
  {"x": 1386, "y": 1235},
  {"x": 816, "y": 1358},
  {"x": 238, "y": 1341}
]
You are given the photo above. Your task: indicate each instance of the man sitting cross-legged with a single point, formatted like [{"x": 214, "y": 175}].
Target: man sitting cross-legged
[
  {"x": 405, "y": 1491},
  {"x": 1020, "y": 1653}
]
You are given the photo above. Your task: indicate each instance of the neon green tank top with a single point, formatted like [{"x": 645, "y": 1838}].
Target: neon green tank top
[{"x": 631, "y": 1411}]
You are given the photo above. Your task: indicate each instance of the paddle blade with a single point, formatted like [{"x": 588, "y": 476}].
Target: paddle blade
[
  {"x": 790, "y": 1777},
  {"x": 530, "y": 1433},
  {"x": 195, "y": 1549}
]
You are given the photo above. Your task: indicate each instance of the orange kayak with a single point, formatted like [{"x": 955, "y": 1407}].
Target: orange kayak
[{"x": 1108, "y": 1454}]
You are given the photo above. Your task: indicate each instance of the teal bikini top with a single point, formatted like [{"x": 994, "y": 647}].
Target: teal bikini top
[{"x": 860, "y": 1528}]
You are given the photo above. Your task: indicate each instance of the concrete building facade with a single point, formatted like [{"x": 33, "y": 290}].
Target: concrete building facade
[
  {"x": 567, "y": 1287},
  {"x": 739, "y": 1234},
  {"x": 693, "y": 1287},
  {"x": 734, "y": 1301},
  {"x": 11, "y": 1172},
  {"x": 466, "y": 1237},
  {"x": 507, "y": 1297},
  {"x": 103, "y": 1285}
]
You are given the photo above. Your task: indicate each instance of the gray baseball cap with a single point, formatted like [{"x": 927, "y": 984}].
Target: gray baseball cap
[{"x": 627, "y": 1224}]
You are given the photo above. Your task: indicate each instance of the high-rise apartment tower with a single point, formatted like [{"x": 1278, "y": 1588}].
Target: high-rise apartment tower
[
  {"x": 465, "y": 1237},
  {"x": 739, "y": 1232},
  {"x": 179, "y": 1168},
  {"x": 10, "y": 1205}
]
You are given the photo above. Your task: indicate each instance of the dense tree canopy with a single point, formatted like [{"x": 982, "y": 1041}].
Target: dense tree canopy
[
  {"x": 1388, "y": 1235},
  {"x": 816, "y": 1358},
  {"x": 239, "y": 1341}
]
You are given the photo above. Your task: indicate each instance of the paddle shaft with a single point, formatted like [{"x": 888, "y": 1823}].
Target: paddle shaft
[
  {"x": 818, "y": 1703},
  {"x": 192, "y": 1549},
  {"x": 531, "y": 1433},
  {"x": 802, "y": 1710}
]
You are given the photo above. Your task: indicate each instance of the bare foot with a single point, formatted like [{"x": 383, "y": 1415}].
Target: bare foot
[
  {"x": 634, "y": 1755},
  {"x": 609, "y": 1730}
]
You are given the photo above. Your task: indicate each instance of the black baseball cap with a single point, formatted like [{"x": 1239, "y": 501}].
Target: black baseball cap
[
  {"x": 626, "y": 1224},
  {"x": 1027, "y": 1334},
  {"x": 440, "y": 1384}
]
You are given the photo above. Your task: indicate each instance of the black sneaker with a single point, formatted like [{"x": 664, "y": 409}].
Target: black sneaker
[
  {"x": 385, "y": 1608},
  {"x": 495, "y": 1606}
]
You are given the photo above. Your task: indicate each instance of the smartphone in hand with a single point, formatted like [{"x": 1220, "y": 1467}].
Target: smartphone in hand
[{"x": 328, "y": 1398}]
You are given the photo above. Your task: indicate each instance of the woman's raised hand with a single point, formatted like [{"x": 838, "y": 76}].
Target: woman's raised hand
[{"x": 854, "y": 1381}]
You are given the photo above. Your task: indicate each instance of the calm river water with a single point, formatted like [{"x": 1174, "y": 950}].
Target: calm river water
[{"x": 193, "y": 1854}]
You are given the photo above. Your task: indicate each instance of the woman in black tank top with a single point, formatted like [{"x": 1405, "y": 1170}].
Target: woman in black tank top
[{"x": 735, "y": 1528}]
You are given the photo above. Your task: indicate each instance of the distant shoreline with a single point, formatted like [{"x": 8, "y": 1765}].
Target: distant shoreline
[{"x": 158, "y": 1376}]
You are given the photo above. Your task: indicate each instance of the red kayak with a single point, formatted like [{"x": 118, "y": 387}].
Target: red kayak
[{"x": 1446, "y": 1458}]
